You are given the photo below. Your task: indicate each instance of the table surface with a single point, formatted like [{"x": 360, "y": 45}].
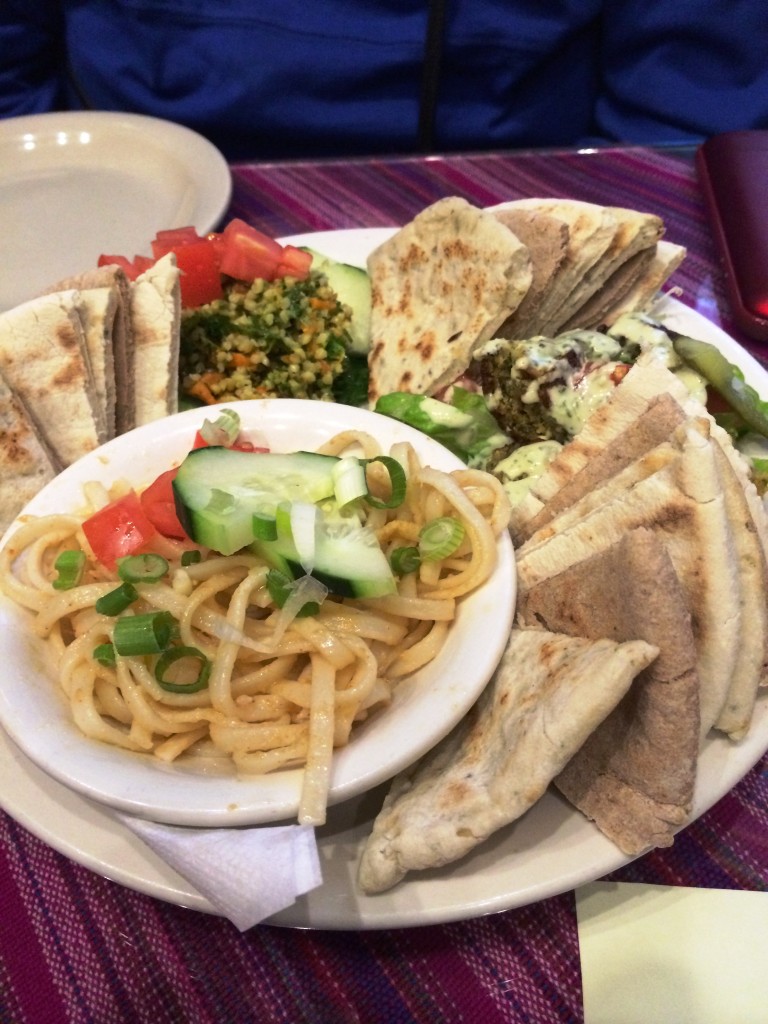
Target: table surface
[{"x": 77, "y": 947}]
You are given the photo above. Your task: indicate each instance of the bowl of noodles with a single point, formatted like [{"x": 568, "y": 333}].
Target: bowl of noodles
[{"x": 295, "y": 713}]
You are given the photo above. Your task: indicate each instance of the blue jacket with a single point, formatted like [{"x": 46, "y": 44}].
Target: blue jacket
[{"x": 265, "y": 79}]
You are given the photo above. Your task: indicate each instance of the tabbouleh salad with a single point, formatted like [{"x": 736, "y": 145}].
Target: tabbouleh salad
[{"x": 285, "y": 338}]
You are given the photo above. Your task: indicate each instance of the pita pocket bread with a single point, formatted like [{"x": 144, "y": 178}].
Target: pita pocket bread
[
  {"x": 547, "y": 695},
  {"x": 26, "y": 463},
  {"x": 155, "y": 317},
  {"x": 635, "y": 774},
  {"x": 440, "y": 286},
  {"x": 44, "y": 358}
]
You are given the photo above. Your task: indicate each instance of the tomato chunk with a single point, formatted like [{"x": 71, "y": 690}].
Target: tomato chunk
[
  {"x": 171, "y": 239},
  {"x": 123, "y": 262},
  {"x": 120, "y": 528},
  {"x": 159, "y": 506},
  {"x": 247, "y": 253},
  {"x": 294, "y": 263},
  {"x": 200, "y": 279}
]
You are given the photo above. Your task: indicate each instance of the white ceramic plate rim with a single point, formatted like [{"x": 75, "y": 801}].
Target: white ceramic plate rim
[
  {"x": 54, "y": 167},
  {"x": 552, "y": 849},
  {"x": 425, "y": 705}
]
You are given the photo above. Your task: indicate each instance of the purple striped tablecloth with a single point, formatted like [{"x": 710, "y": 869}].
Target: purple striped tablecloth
[{"x": 75, "y": 947}]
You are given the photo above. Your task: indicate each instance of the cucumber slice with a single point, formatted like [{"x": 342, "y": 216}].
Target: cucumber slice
[
  {"x": 218, "y": 491},
  {"x": 353, "y": 287},
  {"x": 347, "y": 558}
]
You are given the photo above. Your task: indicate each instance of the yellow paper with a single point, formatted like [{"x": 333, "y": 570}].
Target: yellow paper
[{"x": 651, "y": 954}]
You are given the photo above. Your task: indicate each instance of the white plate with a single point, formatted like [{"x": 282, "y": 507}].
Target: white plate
[
  {"x": 424, "y": 707},
  {"x": 550, "y": 850},
  {"x": 76, "y": 185}
]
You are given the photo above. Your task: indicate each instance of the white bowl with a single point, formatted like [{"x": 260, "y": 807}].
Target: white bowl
[{"x": 425, "y": 707}]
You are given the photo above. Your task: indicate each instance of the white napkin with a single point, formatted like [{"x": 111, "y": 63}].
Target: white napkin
[
  {"x": 673, "y": 954},
  {"x": 247, "y": 874}
]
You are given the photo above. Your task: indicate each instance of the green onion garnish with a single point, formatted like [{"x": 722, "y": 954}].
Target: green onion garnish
[
  {"x": 405, "y": 560},
  {"x": 70, "y": 566},
  {"x": 105, "y": 654},
  {"x": 223, "y": 430},
  {"x": 190, "y": 557},
  {"x": 170, "y": 657},
  {"x": 397, "y": 482},
  {"x": 440, "y": 538},
  {"x": 117, "y": 600},
  {"x": 280, "y": 587},
  {"x": 142, "y": 568},
  {"x": 264, "y": 526},
  {"x": 150, "y": 633}
]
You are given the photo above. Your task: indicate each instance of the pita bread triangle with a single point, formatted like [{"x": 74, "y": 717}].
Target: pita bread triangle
[
  {"x": 635, "y": 774},
  {"x": 26, "y": 462},
  {"x": 440, "y": 287},
  {"x": 547, "y": 695}
]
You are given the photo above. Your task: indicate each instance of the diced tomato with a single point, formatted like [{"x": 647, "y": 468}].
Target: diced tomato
[
  {"x": 200, "y": 280},
  {"x": 294, "y": 263},
  {"x": 142, "y": 263},
  {"x": 248, "y": 253},
  {"x": 159, "y": 506},
  {"x": 120, "y": 528},
  {"x": 171, "y": 239}
]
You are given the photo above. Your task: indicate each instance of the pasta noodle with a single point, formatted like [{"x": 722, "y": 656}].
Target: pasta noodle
[{"x": 280, "y": 693}]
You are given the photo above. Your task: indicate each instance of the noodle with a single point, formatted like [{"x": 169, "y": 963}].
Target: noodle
[{"x": 277, "y": 694}]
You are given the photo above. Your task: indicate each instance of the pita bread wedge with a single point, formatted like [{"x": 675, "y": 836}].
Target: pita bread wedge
[
  {"x": 591, "y": 230},
  {"x": 546, "y": 238},
  {"x": 44, "y": 358},
  {"x": 667, "y": 258},
  {"x": 546, "y": 697},
  {"x": 106, "y": 295},
  {"x": 26, "y": 463},
  {"x": 155, "y": 316},
  {"x": 596, "y": 311},
  {"x": 635, "y": 774},
  {"x": 684, "y": 504},
  {"x": 440, "y": 286}
]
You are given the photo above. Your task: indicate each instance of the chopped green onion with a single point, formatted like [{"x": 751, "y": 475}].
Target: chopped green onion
[
  {"x": 405, "y": 560},
  {"x": 397, "y": 482},
  {"x": 440, "y": 538},
  {"x": 142, "y": 568},
  {"x": 264, "y": 526},
  {"x": 349, "y": 480},
  {"x": 117, "y": 600},
  {"x": 281, "y": 587},
  {"x": 223, "y": 431},
  {"x": 105, "y": 654},
  {"x": 70, "y": 566},
  {"x": 190, "y": 557},
  {"x": 170, "y": 657},
  {"x": 150, "y": 633}
]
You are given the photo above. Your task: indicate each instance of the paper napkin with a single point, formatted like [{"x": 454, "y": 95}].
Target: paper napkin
[
  {"x": 673, "y": 954},
  {"x": 247, "y": 874}
]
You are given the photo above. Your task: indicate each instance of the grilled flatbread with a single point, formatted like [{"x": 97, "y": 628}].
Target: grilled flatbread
[
  {"x": 155, "y": 317},
  {"x": 546, "y": 697},
  {"x": 667, "y": 258},
  {"x": 634, "y": 776},
  {"x": 440, "y": 286},
  {"x": 44, "y": 358},
  {"x": 684, "y": 504},
  {"x": 26, "y": 463}
]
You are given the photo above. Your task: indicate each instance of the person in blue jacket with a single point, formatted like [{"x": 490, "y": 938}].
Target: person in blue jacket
[{"x": 293, "y": 78}]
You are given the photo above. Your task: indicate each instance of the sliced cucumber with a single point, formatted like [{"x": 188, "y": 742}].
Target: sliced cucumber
[
  {"x": 353, "y": 287},
  {"x": 218, "y": 491},
  {"x": 347, "y": 558}
]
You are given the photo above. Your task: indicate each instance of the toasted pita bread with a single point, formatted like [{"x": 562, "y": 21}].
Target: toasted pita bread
[
  {"x": 440, "y": 286},
  {"x": 106, "y": 290},
  {"x": 155, "y": 315},
  {"x": 591, "y": 230},
  {"x": 44, "y": 358},
  {"x": 546, "y": 697},
  {"x": 684, "y": 504},
  {"x": 597, "y": 310},
  {"x": 667, "y": 258},
  {"x": 26, "y": 462},
  {"x": 646, "y": 750}
]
